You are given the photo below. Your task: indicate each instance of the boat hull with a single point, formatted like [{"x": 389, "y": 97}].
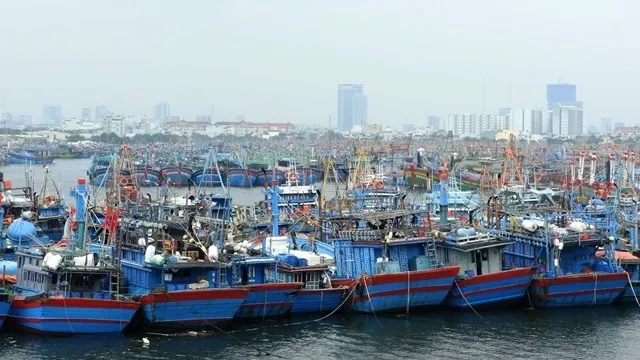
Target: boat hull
[
  {"x": 399, "y": 291},
  {"x": 490, "y": 289},
  {"x": 268, "y": 300},
  {"x": 177, "y": 176},
  {"x": 244, "y": 178},
  {"x": 5, "y": 305},
  {"x": 148, "y": 177},
  {"x": 578, "y": 290},
  {"x": 318, "y": 300},
  {"x": 192, "y": 308},
  {"x": 57, "y": 315},
  {"x": 209, "y": 178},
  {"x": 631, "y": 292},
  {"x": 262, "y": 178},
  {"x": 17, "y": 159}
]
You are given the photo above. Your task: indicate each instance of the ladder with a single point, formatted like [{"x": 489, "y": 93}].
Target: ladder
[
  {"x": 236, "y": 270},
  {"x": 430, "y": 249}
]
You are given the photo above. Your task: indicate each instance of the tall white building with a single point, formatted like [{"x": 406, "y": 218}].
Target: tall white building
[
  {"x": 567, "y": 121},
  {"x": 352, "y": 106},
  {"x": 475, "y": 124},
  {"x": 520, "y": 120},
  {"x": 114, "y": 124}
]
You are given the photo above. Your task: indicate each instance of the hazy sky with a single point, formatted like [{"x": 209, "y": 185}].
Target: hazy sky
[{"x": 281, "y": 60}]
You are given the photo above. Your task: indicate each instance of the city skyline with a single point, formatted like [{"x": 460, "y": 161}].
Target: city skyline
[{"x": 410, "y": 65}]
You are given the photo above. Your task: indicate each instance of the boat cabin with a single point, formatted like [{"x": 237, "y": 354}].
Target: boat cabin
[
  {"x": 382, "y": 243},
  {"x": 475, "y": 253},
  {"x": 64, "y": 274},
  {"x": 152, "y": 260}
]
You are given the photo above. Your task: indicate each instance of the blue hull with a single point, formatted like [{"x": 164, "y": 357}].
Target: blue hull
[
  {"x": 148, "y": 177},
  {"x": 578, "y": 290},
  {"x": 208, "y": 179},
  {"x": 5, "y": 305},
  {"x": 268, "y": 300},
  {"x": 261, "y": 178},
  {"x": 17, "y": 160},
  {"x": 72, "y": 315},
  {"x": 192, "y": 308},
  {"x": 177, "y": 176},
  {"x": 241, "y": 178},
  {"x": 318, "y": 301},
  {"x": 399, "y": 291},
  {"x": 490, "y": 289}
]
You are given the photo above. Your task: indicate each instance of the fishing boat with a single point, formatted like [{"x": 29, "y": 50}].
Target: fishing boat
[
  {"x": 249, "y": 267},
  {"x": 147, "y": 176},
  {"x": 317, "y": 294},
  {"x": 67, "y": 290},
  {"x": 568, "y": 272},
  {"x": 483, "y": 280},
  {"x": 631, "y": 265},
  {"x": 392, "y": 259},
  {"x": 179, "y": 284},
  {"x": 265, "y": 299},
  {"x": 177, "y": 175},
  {"x": 241, "y": 177},
  {"x": 32, "y": 155},
  {"x": 50, "y": 210}
]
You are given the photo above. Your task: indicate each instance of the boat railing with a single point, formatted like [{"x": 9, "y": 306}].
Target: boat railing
[{"x": 466, "y": 240}]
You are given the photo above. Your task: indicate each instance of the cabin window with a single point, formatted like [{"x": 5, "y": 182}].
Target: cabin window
[
  {"x": 54, "y": 279},
  {"x": 222, "y": 276},
  {"x": 485, "y": 255},
  {"x": 446, "y": 256},
  {"x": 251, "y": 271}
]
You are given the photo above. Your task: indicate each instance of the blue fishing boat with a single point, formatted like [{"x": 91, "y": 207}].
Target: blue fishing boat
[
  {"x": 241, "y": 177},
  {"x": 399, "y": 263},
  {"x": 297, "y": 266},
  {"x": 568, "y": 272},
  {"x": 631, "y": 264},
  {"x": 177, "y": 291},
  {"x": 208, "y": 177},
  {"x": 177, "y": 175},
  {"x": 50, "y": 210},
  {"x": 99, "y": 170},
  {"x": 265, "y": 299},
  {"x": 69, "y": 291},
  {"x": 482, "y": 281},
  {"x": 34, "y": 155},
  {"x": 147, "y": 176}
]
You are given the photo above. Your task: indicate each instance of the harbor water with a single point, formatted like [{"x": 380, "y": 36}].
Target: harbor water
[{"x": 580, "y": 333}]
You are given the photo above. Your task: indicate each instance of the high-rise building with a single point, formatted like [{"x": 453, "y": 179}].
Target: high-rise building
[
  {"x": 86, "y": 114},
  {"x": 504, "y": 111},
  {"x": 352, "y": 106},
  {"x": 537, "y": 120},
  {"x": 433, "y": 122},
  {"x": 520, "y": 120},
  {"x": 475, "y": 124},
  {"x": 52, "y": 115},
  {"x": 561, "y": 94},
  {"x": 567, "y": 121},
  {"x": 606, "y": 125},
  {"x": 114, "y": 124},
  {"x": 100, "y": 113},
  {"x": 23, "y": 119},
  {"x": 161, "y": 112}
]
